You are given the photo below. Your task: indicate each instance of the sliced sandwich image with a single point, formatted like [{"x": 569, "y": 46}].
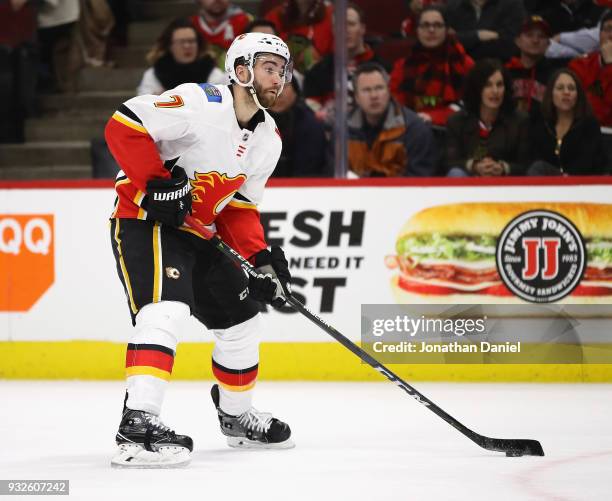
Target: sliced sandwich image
[{"x": 447, "y": 253}]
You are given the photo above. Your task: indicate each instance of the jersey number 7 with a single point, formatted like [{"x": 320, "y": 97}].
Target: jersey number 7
[{"x": 175, "y": 102}]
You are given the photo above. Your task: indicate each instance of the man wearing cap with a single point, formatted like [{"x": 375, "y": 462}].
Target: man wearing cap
[
  {"x": 595, "y": 73},
  {"x": 531, "y": 69}
]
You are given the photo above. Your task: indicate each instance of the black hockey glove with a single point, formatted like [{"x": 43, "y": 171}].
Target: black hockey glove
[
  {"x": 169, "y": 200},
  {"x": 273, "y": 284}
]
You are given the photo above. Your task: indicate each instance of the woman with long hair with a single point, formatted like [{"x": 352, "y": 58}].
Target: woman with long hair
[
  {"x": 567, "y": 139},
  {"x": 489, "y": 137},
  {"x": 430, "y": 78},
  {"x": 178, "y": 56}
]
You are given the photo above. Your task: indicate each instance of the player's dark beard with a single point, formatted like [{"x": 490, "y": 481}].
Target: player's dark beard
[{"x": 266, "y": 99}]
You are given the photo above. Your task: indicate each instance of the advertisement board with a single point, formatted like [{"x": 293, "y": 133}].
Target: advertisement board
[{"x": 59, "y": 279}]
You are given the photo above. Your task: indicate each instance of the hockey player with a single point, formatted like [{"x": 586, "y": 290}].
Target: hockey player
[{"x": 207, "y": 150}]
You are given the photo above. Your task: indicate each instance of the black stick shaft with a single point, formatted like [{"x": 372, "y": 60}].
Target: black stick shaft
[
  {"x": 388, "y": 373},
  {"x": 344, "y": 341},
  {"x": 526, "y": 446}
]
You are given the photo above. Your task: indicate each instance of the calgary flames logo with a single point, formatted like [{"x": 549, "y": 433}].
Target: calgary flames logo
[{"x": 212, "y": 190}]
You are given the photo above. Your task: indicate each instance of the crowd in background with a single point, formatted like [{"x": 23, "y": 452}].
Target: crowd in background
[
  {"x": 43, "y": 46},
  {"x": 456, "y": 88}
]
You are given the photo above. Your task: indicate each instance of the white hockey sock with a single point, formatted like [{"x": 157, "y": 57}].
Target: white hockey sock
[
  {"x": 235, "y": 364},
  {"x": 146, "y": 393},
  {"x": 150, "y": 355},
  {"x": 235, "y": 403}
]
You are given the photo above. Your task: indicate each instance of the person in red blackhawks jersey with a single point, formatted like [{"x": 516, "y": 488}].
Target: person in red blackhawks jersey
[
  {"x": 218, "y": 22},
  {"x": 531, "y": 69},
  {"x": 595, "y": 73},
  {"x": 207, "y": 150}
]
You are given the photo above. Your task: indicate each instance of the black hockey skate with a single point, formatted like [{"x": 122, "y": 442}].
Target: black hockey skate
[
  {"x": 252, "y": 429},
  {"x": 145, "y": 442}
]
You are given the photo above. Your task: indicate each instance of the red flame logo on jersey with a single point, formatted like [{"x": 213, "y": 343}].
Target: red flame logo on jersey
[{"x": 211, "y": 190}]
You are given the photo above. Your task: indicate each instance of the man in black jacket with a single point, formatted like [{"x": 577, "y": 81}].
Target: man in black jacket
[
  {"x": 487, "y": 28},
  {"x": 530, "y": 70},
  {"x": 306, "y": 152}
]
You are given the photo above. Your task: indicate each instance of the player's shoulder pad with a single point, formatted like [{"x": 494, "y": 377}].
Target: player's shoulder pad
[{"x": 212, "y": 92}]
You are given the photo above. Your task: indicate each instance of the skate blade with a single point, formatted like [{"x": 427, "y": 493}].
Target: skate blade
[
  {"x": 135, "y": 456},
  {"x": 245, "y": 443}
]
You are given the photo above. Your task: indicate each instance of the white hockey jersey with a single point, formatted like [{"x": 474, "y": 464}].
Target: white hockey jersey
[{"x": 194, "y": 126}]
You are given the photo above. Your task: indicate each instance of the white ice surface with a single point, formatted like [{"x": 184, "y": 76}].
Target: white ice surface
[{"x": 355, "y": 441}]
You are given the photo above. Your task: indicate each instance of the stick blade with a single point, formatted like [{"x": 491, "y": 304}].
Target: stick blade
[{"x": 513, "y": 447}]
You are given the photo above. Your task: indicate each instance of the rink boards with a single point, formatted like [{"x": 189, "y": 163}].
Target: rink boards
[{"x": 63, "y": 313}]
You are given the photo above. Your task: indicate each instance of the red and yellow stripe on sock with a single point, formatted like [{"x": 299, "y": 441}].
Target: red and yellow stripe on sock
[
  {"x": 149, "y": 360},
  {"x": 235, "y": 379}
]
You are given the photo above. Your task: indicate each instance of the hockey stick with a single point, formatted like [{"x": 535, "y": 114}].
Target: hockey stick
[{"x": 511, "y": 446}]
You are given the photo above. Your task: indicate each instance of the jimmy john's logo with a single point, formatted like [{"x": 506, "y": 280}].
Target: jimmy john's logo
[{"x": 541, "y": 256}]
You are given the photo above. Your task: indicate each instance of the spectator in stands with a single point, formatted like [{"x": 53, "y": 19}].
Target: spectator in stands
[
  {"x": 576, "y": 43},
  {"x": 535, "y": 6},
  {"x": 319, "y": 80},
  {"x": 261, "y": 26},
  {"x": 570, "y": 15},
  {"x": 305, "y": 151},
  {"x": 430, "y": 79},
  {"x": 572, "y": 44},
  {"x": 307, "y": 27},
  {"x": 531, "y": 70},
  {"x": 179, "y": 57},
  {"x": 218, "y": 22},
  {"x": 386, "y": 139},
  {"x": 60, "y": 52},
  {"x": 408, "y": 28},
  {"x": 595, "y": 73},
  {"x": 264, "y": 26},
  {"x": 95, "y": 26},
  {"x": 567, "y": 139},
  {"x": 17, "y": 67},
  {"x": 122, "y": 14},
  {"x": 487, "y": 28},
  {"x": 489, "y": 137}
]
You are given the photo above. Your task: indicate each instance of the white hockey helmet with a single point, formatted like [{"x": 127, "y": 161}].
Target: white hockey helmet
[{"x": 248, "y": 46}]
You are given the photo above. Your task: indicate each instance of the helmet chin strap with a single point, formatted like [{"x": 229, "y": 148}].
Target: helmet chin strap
[{"x": 255, "y": 98}]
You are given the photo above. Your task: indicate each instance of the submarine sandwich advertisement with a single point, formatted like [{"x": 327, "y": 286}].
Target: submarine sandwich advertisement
[{"x": 505, "y": 253}]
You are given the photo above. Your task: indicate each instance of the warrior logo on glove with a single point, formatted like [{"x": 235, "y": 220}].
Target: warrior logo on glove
[
  {"x": 169, "y": 200},
  {"x": 173, "y": 195}
]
